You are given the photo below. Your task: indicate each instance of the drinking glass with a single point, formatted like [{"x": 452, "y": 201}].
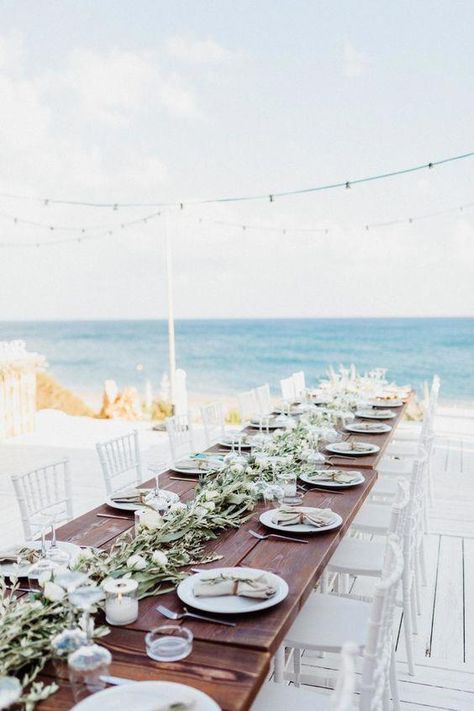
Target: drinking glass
[{"x": 169, "y": 642}]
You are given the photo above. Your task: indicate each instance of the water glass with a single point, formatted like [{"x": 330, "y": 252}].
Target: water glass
[
  {"x": 273, "y": 494},
  {"x": 169, "y": 643}
]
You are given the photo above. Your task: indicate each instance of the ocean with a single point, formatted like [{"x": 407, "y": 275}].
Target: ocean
[{"x": 222, "y": 357}]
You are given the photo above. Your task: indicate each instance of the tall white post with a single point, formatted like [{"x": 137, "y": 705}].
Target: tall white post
[{"x": 169, "y": 291}]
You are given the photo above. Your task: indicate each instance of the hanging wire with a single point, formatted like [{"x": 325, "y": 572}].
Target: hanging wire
[{"x": 245, "y": 198}]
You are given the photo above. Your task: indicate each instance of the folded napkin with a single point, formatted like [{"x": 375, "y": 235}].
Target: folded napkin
[
  {"x": 338, "y": 475},
  {"x": 293, "y": 515},
  {"x": 368, "y": 426},
  {"x": 353, "y": 447},
  {"x": 260, "y": 587},
  {"x": 130, "y": 496},
  {"x": 10, "y": 554}
]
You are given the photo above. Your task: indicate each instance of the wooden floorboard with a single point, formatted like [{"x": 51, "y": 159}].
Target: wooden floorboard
[{"x": 444, "y": 645}]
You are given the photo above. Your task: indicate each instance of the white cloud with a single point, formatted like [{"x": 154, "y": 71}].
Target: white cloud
[
  {"x": 187, "y": 49},
  {"x": 112, "y": 86},
  {"x": 355, "y": 63}
]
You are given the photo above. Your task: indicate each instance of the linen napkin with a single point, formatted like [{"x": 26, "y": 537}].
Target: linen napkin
[
  {"x": 353, "y": 447},
  {"x": 260, "y": 587},
  {"x": 130, "y": 496},
  {"x": 338, "y": 475},
  {"x": 369, "y": 426},
  {"x": 10, "y": 554},
  {"x": 293, "y": 515}
]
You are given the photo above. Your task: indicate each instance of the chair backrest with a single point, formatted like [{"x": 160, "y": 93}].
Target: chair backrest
[
  {"x": 213, "y": 420},
  {"x": 400, "y": 509},
  {"x": 380, "y": 644},
  {"x": 120, "y": 461},
  {"x": 248, "y": 405},
  {"x": 264, "y": 399},
  {"x": 343, "y": 697},
  {"x": 288, "y": 392},
  {"x": 180, "y": 435},
  {"x": 44, "y": 494},
  {"x": 299, "y": 384}
]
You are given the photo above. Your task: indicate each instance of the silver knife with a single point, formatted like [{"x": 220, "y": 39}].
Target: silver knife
[{"x": 116, "y": 680}]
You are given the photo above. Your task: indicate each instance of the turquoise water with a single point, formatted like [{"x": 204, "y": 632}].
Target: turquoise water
[{"x": 225, "y": 356}]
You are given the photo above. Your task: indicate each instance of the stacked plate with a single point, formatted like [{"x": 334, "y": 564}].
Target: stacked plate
[
  {"x": 375, "y": 414},
  {"x": 368, "y": 427},
  {"x": 267, "y": 519},
  {"x": 353, "y": 449}
]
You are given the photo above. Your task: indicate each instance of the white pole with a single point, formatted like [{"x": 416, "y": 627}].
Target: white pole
[{"x": 171, "y": 337}]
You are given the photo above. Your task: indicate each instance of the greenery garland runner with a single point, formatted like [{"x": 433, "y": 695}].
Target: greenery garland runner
[{"x": 155, "y": 557}]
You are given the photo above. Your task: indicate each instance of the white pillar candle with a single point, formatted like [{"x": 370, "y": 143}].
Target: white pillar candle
[{"x": 121, "y": 610}]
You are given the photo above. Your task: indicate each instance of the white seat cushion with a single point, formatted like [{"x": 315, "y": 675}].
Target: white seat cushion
[
  {"x": 327, "y": 621},
  {"x": 402, "y": 448},
  {"x": 277, "y": 697},
  {"x": 395, "y": 467},
  {"x": 373, "y": 518},
  {"x": 358, "y": 557},
  {"x": 385, "y": 486}
]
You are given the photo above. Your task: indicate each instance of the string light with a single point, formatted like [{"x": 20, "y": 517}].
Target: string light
[
  {"x": 71, "y": 228},
  {"x": 245, "y": 198},
  {"x": 244, "y": 227}
]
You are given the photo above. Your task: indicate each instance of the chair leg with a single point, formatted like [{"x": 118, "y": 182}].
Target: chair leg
[
  {"x": 422, "y": 559},
  {"x": 394, "y": 683},
  {"x": 414, "y": 621},
  {"x": 279, "y": 665},
  {"x": 323, "y": 582},
  {"x": 417, "y": 591},
  {"x": 407, "y": 615},
  {"x": 297, "y": 666}
]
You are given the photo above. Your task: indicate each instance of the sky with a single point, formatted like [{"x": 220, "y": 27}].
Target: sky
[{"x": 148, "y": 101}]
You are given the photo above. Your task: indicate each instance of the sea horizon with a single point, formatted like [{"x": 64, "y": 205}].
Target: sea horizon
[{"x": 224, "y": 356}]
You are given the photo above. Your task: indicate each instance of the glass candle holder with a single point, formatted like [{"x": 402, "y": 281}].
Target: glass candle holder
[
  {"x": 121, "y": 601},
  {"x": 168, "y": 643},
  {"x": 87, "y": 666}
]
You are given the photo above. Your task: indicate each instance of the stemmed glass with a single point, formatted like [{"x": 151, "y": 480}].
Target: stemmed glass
[
  {"x": 90, "y": 657},
  {"x": 160, "y": 499}
]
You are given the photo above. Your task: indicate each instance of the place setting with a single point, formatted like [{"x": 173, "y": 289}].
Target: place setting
[
  {"x": 300, "y": 519},
  {"x": 332, "y": 478},
  {"x": 200, "y": 463},
  {"x": 375, "y": 414},
  {"x": 367, "y": 427},
  {"x": 351, "y": 448}
]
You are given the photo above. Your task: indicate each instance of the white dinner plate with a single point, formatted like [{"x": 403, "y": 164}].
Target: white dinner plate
[
  {"x": 146, "y": 695},
  {"x": 266, "y": 519},
  {"x": 326, "y": 483},
  {"x": 231, "y": 604},
  {"x": 8, "y": 569},
  {"x": 368, "y": 427},
  {"x": 369, "y": 448},
  {"x": 383, "y": 403},
  {"x": 375, "y": 414},
  {"x": 125, "y": 506},
  {"x": 235, "y": 441},
  {"x": 272, "y": 424}
]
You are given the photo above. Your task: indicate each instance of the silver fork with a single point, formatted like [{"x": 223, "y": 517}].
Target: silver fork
[
  {"x": 180, "y": 615},
  {"x": 276, "y": 535}
]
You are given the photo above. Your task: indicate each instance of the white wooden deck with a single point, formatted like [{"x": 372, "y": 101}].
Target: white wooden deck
[{"x": 444, "y": 646}]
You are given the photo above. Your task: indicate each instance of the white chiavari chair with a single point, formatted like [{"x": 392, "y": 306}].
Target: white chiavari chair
[
  {"x": 44, "y": 495},
  {"x": 284, "y": 698},
  {"x": 288, "y": 393},
  {"x": 214, "y": 422},
  {"x": 120, "y": 461},
  {"x": 299, "y": 384},
  {"x": 364, "y": 558},
  {"x": 248, "y": 405},
  {"x": 411, "y": 431},
  {"x": 264, "y": 399},
  {"x": 323, "y": 623},
  {"x": 180, "y": 435}
]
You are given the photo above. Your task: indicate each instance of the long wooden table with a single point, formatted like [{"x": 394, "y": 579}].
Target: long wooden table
[{"x": 228, "y": 663}]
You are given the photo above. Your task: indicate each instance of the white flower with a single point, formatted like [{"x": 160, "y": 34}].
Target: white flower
[
  {"x": 209, "y": 505},
  {"x": 150, "y": 519},
  {"x": 159, "y": 558},
  {"x": 236, "y": 469},
  {"x": 211, "y": 494},
  {"x": 86, "y": 554},
  {"x": 178, "y": 506},
  {"x": 10, "y": 691},
  {"x": 53, "y": 592},
  {"x": 136, "y": 562}
]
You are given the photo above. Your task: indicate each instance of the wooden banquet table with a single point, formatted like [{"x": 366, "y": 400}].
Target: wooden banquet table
[{"x": 228, "y": 663}]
